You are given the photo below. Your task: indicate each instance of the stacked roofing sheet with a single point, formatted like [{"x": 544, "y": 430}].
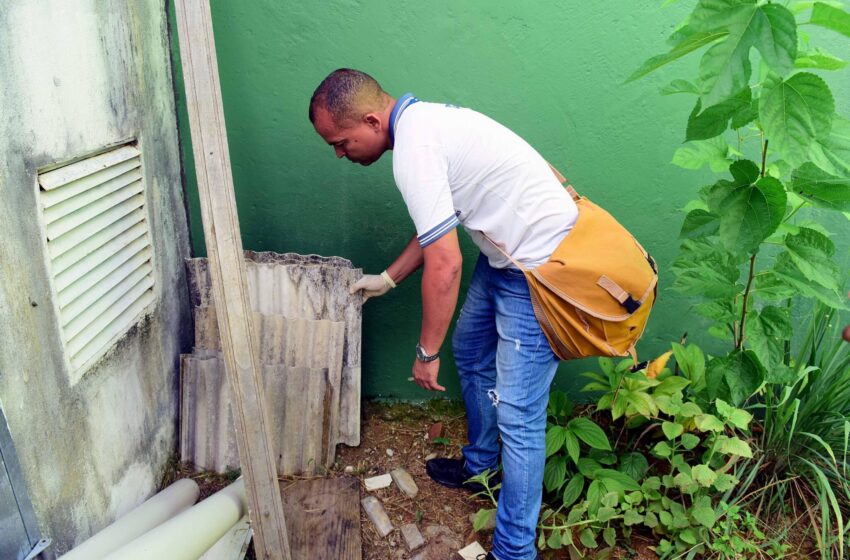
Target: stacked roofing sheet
[{"x": 307, "y": 331}]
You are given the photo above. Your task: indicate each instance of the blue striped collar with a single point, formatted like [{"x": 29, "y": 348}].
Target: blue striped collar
[{"x": 403, "y": 103}]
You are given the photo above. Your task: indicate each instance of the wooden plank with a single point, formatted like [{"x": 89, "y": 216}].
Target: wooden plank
[
  {"x": 323, "y": 517},
  {"x": 227, "y": 271}
]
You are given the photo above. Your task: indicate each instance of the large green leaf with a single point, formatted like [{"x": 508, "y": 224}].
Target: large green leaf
[
  {"x": 695, "y": 155},
  {"x": 714, "y": 195},
  {"x": 554, "y": 472},
  {"x": 776, "y": 38},
  {"x": 704, "y": 475},
  {"x": 714, "y": 120},
  {"x": 769, "y": 286},
  {"x": 725, "y": 67},
  {"x": 572, "y": 491},
  {"x": 831, "y": 18},
  {"x": 588, "y": 432},
  {"x": 712, "y": 14},
  {"x": 733, "y": 446},
  {"x": 702, "y": 279},
  {"x": 734, "y": 377},
  {"x": 795, "y": 113},
  {"x": 811, "y": 251},
  {"x": 832, "y": 154},
  {"x": 786, "y": 270},
  {"x": 703, "y": 269},
  {"x": 715, "y": 382},
  {"x": 720, "y": 310},
  {"x": 634, "y": 464},
  {"x": 672, "y": 430},
  {"x": 689, "y": 44},
  {"x": 691, "y": 361},
  {"x": 766, "y": 332},
  {"x": 744, "y": 172},
  {"x": 555, "y": 437},
  {"x": 820, "y": 188},
  {"x": 572, "y": 446},
  {"x": 749, "y": 214},
  {"x": 699, "y": 223},
  {"x": 819, "y": 60},
  {"x": 617, "y": 481}
]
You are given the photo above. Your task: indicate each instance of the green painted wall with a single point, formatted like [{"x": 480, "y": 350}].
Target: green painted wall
[{"x": 550, "y": 70}]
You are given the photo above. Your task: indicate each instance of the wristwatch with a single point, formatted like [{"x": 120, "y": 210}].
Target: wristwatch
[{"x": 423, "y": 356}]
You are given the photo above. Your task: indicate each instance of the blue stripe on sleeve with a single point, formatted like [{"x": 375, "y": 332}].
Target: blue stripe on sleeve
[{"x": 438, "y": 231}]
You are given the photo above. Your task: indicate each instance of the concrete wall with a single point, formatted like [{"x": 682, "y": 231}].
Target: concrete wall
[
  {"x": 77, "y": 76},
  {"x": 550, "y": 70}
]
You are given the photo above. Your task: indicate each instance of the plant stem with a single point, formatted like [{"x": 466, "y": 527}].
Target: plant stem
[
  {"x": 576, "y": 524},
  {"x": 794, "y": 211},
  {"x": 763, "y": 157},
  {"x": 740, "y": 341}
]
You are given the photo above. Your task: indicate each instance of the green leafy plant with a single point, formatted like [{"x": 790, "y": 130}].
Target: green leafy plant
[
  {"x": 738, "y": 534},
  {"x": 753, "y": 248},
  {"x": 670, "y": 490},
  {"x": 803, "y": 443},
  {"x": 485, "y": 515}
]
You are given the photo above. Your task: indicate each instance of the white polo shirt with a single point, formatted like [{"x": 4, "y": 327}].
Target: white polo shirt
[{"x": 456, "y": 166}]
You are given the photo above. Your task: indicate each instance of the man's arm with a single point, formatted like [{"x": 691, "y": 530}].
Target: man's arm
[
  {"x": 440, "y": 285},
  {"x": 407, "y": 262}
]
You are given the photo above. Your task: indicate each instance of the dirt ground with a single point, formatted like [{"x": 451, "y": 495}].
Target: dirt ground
[
  {"x": 397, "y": 435},
  {"x": 403, "y": 429}
]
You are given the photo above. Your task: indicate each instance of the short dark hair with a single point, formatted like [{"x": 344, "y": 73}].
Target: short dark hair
[{"x": 344, "y": 92}]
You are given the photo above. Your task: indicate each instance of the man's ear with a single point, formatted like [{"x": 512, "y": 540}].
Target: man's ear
[{"x": 373, "y": 120}]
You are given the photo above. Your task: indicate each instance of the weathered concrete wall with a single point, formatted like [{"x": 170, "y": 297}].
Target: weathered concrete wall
[{"x": 77, "y": 76}]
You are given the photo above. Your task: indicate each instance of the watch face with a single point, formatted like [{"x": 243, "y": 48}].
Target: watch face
[{"x": 423, "y": 356}]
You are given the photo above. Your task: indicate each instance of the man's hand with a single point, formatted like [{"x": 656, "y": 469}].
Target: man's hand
[
  {"x": 425, "y": 375},
  {"x": 373, "y": 285}
]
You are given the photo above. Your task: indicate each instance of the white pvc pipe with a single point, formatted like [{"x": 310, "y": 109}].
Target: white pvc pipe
[
  {"x": 188, "y": 535},
  {"x": 138, "y": 521}
]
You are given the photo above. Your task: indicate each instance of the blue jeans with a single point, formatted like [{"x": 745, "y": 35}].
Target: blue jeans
[{"x": 506, "y": 367}]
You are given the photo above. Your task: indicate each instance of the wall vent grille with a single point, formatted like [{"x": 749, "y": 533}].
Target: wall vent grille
[{"x": 99, "y": 250}]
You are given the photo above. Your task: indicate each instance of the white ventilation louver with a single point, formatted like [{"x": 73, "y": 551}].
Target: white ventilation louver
[{"x": 99, "y": 250}]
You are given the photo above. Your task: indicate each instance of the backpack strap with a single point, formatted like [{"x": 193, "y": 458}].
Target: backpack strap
[
  {"x": 576, "y": 197},
  {"x": 563, "y": 180},
  {"x": 510, "y": 258}
]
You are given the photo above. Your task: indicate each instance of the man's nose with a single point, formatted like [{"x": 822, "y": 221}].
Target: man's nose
[{"x": 339, "y": 152}]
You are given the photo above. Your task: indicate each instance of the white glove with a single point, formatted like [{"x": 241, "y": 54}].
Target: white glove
[{"x": 373, "y": 285}]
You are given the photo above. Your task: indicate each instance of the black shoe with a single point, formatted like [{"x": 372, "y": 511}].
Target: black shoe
[{"x": 450, "y": 473}]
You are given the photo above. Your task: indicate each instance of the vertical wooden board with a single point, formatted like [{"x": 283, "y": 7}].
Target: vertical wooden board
[
  {"x": 227, "y": 272},
  {"x": 323, "y": 518}
]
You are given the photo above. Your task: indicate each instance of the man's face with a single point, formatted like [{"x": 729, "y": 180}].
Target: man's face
[{"x": 362, "y": 141}]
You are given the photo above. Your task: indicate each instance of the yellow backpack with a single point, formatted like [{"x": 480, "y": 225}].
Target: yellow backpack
[{"x": 594, "y": 294}]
